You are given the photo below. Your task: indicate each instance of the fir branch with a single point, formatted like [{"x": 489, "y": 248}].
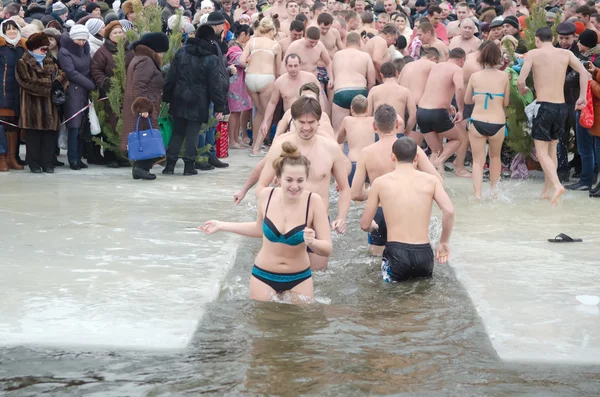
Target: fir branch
[{"x": 175, "y": 38}]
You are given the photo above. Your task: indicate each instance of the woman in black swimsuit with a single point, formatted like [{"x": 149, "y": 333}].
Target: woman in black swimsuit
[{"x": 489, "y": 90}]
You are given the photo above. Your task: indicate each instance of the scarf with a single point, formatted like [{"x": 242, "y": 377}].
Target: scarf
[
  {"x": 38, "y": 57},
  {"x": 14, "y": 41}
]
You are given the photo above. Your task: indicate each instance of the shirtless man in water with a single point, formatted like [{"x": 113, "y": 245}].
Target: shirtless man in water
[
  {"x": 286, "y": 87},
  {"x": 392, "y": 93},
  {"x": 355, "y": 75},
  {"x": 326, "y": 158},
  {"x": 549, "y": 65},
  {"x": 374, "y": 161},
  {"x": 445, "y": 81},
  {"x": 405, "y": 195},
  {"x": 358, "y": 130},
  {"x": 312, "y": 51},
  {"x": 377, "y": 47}
]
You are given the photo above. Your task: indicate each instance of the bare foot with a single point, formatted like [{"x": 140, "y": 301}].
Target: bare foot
[
  {"x": 463, "y": 173},
  {"x": 545, "y": 193},
  {"x": 477, "y": 197},
  {"x": 557, "y": 193}
]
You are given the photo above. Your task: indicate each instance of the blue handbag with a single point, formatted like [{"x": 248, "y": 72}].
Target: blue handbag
[{"x": 146, "y": 144}]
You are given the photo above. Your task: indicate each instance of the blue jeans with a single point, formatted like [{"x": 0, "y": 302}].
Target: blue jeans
[
  {"x": 208, "y": 137},
  {"x": 596, "y": 140},
  {"x": 585, "y": 147},
  {"x": 3, "y": 141},
  {"x": 73, "y": 146}
]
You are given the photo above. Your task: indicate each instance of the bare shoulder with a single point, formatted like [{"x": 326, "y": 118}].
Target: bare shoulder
[
  {"x": 332, "y": 146},
  {"x": 428, "y": 178}
]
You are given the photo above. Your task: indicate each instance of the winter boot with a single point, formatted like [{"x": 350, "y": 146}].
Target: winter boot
[
  {"x": 3, "y": 165},
  {"x": 170, "y": 167},
  {"x": 215, "y": 162},
  {"x": 189, "y": 168},
  {"x": 140, "y": 173},
  {"x": 11, "y": 157}
]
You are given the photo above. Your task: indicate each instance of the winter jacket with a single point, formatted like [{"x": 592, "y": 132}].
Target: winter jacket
[
  {"x": 75, "y": 61},
  {"x": 37, "y": 110},
  {"x": 572, "y": 79},
  {"x": 207, "y": 34},
  {"x": 94, "y": 43},
  {"x": 144, "y": 83},
  {"x": 53, "y": 21},
  {"x": 9, "y": 96},
  {"x": 194, "y": 82},
  {"x": 103, "y": 65},
  {"x": 595, "y": 85}
]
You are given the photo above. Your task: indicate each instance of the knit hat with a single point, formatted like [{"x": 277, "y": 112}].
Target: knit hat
[
  {"x": 91, "y": 7},
  {"x": 109, "y": 28},
  {"x": 189, "y": 28},
  {"x": 551, "y": 15},
  {"x": 512, "y": 21},
  {"x": 579, "y": 27},
  {"x": 126, "y": 25},
  {"x": 421, "y": 3},
  {"x": 215, "y": 18},
  {"x": 51, "y": 32},
  {"x": 29, "y": 30},
  {"x": 588, "y": 38},
  {"x": 94, "y": 25},
  {"x": 79, "y": 32},
  {"x": 110, "y": 17},
  {"x": 36, "y": 41},
  {"x": 175, "y": 20},
  {"x": 59, "y": 8},
  {"x": 157, "y": 42}
]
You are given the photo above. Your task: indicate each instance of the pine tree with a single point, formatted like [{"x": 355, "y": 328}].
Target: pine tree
[{"x": 175, "y": 38}]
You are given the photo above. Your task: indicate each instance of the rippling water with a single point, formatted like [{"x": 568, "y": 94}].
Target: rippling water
[{"x": 363, "y": 337}]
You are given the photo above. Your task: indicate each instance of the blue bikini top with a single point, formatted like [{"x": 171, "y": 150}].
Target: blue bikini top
[
  {"x": 294, "y": 237},
  {"x": 488, "y": 96}
]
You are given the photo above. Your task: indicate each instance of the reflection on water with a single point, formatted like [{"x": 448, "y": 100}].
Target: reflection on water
[{"x": 363, "y": 337}]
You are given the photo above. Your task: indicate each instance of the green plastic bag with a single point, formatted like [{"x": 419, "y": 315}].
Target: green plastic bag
[{"x": 165, "y": 124}]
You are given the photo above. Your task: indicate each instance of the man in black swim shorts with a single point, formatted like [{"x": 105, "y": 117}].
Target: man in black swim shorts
[{"x": 405, "y": 197}]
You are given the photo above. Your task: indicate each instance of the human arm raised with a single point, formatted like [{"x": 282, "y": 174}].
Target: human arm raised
[{"x": 248, "y": 229}]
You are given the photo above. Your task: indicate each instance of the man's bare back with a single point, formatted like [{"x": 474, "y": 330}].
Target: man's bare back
[
  {"x": 400, "y": 98},
  {"x": 414, "y": 77},
  {"x": 353, "y": 68},
  {"x": 471, "y": 66},
  {"x": 440, "y": 86},
  {"x": 441, "y": 47},
  {"x": 359, "y": 132},
  {"x": 377, "y": 49},
  {"x": 549, "y": 70}
]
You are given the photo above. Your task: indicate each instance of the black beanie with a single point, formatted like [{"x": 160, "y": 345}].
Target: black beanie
[
  {"x": 157, "y": 42},
  {"x": 91, "y": 7},
  {"x": 588, "y": 38}
]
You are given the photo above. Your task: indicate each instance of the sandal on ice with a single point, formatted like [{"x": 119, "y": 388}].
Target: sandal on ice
[{"x": 563, "y": 238}]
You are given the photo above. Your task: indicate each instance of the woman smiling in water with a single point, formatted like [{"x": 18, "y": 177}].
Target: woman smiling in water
[{"x": 282, "y": 264}]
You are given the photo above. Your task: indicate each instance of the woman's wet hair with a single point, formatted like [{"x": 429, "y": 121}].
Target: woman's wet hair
[
  {"x": 405, "y": 150},
  {"x": 9, "y": 22},
  {"x": 290, "y": 155},
  {"x": 239, "y": 29},
  {"x": 305, "y": 105},
  {"x": 490, "y": 55}
]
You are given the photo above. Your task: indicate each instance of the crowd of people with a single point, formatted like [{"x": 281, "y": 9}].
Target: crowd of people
[{"x": 366, "y": 92}]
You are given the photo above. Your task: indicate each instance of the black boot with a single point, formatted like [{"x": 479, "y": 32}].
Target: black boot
[
  {"x": 81, "y": 164},
  {"x": 140, "y": 173},
  {"x": 170, "y": 167},
  {"x": 124, "y": 160},
  {"x": 94, "y": 155},
  {"x": 189, "y": 168},
  {"x": 595, "y": 191},
  {"x": 217, "y": 163},
  {"x": 56, "y": 163},
  {"x": 204, "y": 166}
]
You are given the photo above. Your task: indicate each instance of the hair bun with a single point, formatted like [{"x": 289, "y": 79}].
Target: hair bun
[
  {"x": 289, "y": 150},
  {"x": 275, "y": 16}
]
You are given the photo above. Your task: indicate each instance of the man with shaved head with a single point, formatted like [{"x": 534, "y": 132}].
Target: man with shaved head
[{"x": 466, "y": 40}]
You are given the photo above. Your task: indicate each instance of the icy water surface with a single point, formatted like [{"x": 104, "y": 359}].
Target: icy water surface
[{"x": 365, "y": 337}]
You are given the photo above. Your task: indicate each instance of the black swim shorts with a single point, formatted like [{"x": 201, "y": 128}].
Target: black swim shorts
[
  {"x": 436, "y": 120},
  {"x": 549, "y": 123},
  {"x": 402, "y": 261},
  {"x": 378, "y": 237}
]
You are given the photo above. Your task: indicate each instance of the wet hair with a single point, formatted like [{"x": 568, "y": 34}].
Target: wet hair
[
  {"x": 9, "y": 22},
  {"x": 350, "y": 14},
  {"x": 317, "y": 6},
  {"x": 484, "y": 44},
  {"x": 407, "y": 60},
  {"x": 290, "y": 155},
  {"x": 305, "y": 105},
  {"x": 426, "y": 27},
  {"x": 422, "y": 20},
  {"x": 457, "y": 53},
  {"x": 383, "y": 16},
  {"x": 292, "y": 1},
  {"x": 310, "y": 87},
  {"x": 385, "y": 117},
  {"x": 596, "y": 16},
  {"x": 288, "y": 56},
  {"x": 405, "y": 150},
  {"x": 544, "y": 34},
  {"x": 359, "y": 104},
  {"x": 462, "y": 4},
  {"x": 325, "y": 19},
  {"x": 239, "y": 29},
  {"x": 313, "y": 33},
  {"x": 584, "y": 10},
  {"x": 490, "y": 55},
  {"x": 398, "y": 64},
  {"x": 434, "y": 9},
  {"x": 297, "y": 26},
  {"x": 390, "y": 29},
  {"x": 431, "y": 53},
  {"x": 353, "y": 38},
  {"x": 388, "y": 70},
  {"x": 401, "y": 42},
  {"x": 301, "y": 17},
  {"x": 366, "y": 17}
]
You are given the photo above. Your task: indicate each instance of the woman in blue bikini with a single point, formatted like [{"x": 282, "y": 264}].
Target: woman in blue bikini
[
  {"x": 489, "y": 90},
  {"x": 282, "y": 265}
]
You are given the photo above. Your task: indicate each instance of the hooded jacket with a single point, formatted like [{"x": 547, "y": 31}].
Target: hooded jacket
[
  {"x": 194, "y": 81},
  {"x": 9, "y": 56}
]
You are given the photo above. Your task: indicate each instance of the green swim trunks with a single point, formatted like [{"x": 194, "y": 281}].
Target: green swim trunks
[{"x": 344, "y": 96}]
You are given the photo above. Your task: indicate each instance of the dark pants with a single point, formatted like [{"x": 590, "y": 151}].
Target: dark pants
[
  {"x": 188, "y": 130},
  {"x": 587, "y": 150},
  {"x": 563, "y": 140},
  {"x": 40, "y": 148},
  {"x": 208, "y": 138},
  {"x": 3, "y": 141},
  {"x": 144, "y": 164},
  {"x": 73, "y": 153}
]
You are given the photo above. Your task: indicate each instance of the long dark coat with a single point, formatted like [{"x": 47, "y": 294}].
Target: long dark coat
[
  {"x": 144, "y": 81},
  {"x": 9, "y": 56},
  {"x": 194, "y": 81},
  {"x": 75, "y": 61},
  {"x": 37, "y": 110}
]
